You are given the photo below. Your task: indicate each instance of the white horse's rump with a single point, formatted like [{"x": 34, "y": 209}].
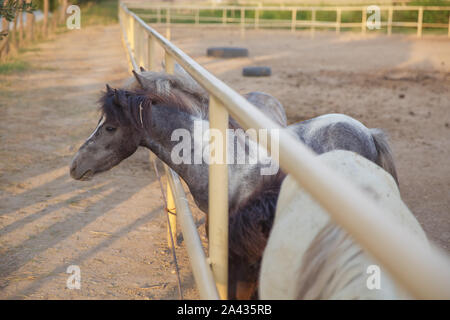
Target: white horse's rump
[{"x": 309, "y": 257}]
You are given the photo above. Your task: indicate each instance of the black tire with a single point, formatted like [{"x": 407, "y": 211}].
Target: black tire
[
  {"x": 227, "y": 52},
  {"x": 256, "y": 71}
]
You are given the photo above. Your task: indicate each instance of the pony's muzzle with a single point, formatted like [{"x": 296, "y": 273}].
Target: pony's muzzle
[{"x": 79, "y": 174}]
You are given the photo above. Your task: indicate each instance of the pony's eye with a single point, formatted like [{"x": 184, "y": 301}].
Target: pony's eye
[{"x": 110, "y": 129}]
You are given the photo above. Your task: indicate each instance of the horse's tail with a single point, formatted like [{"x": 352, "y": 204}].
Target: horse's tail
[{"x": 385, "y": 158}]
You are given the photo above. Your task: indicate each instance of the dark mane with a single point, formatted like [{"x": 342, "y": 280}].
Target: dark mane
[
  {"x": 251, "y": 222},
  {"x": 124, "y": 106},
  {"x": 249, "y": 230}
]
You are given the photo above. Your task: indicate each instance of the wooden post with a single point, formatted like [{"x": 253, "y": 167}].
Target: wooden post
[
  {"x": 389, "y": 23},
  {"x": 294, "y": 20},
  {"x": 256, "y": 19},
  {"x": 313, "y": 22},
  {"x": 158, "y": 15},
  {"x": 449, "y": 26},
  {"x": 242, "y": 23},
  {"x": 21, "y": 26},
  {"x": 131, "y": 35},
  {"x": 12, "y": 33},
  {"x": 170, "y": 63},
  {"x": 170, "y": 68},
  {"x": 419, "y": 22},
  {"x": 151, "y": 50},
  {"x": 168, "y": 23},
  {"x": 197, "y": 17},
  {"x": 218, "y": 202},
  {"x": 30, "y": 26},
  {"x": 338, "y": 20},
  {"x": 62, "y": 11},
  {"x": 45, "y": 23},
  {"x": 363, "y": 20},
  {"x": 136, "y": 42},
  {"x": 135, "y": 37},
  {"x": 172, "y": 228},
  {"x": 139, "y": 46},
  {"x": 54, "y": 19},
  {"x": 224, "y": 16}
]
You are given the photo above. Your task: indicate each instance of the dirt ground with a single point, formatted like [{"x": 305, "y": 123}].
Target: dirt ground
[{"x": 113, "y": 227}]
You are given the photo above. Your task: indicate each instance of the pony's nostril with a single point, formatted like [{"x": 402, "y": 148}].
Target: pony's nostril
[{"x": 72, "y": 170}]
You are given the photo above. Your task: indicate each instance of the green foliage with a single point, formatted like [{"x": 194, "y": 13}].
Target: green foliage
[
  {"x": 10, "y": 9},
  {"x": 14, "y": 66},
  {"x": 100, "y": 12}
]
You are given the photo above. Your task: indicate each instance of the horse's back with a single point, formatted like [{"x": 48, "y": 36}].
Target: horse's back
[
  {"x": 336, "y": 132},
  {"x": 269, "y": 105},
  {"x": 299, "y": 219}
]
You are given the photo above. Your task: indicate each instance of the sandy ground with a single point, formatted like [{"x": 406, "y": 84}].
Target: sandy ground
[{"x": 113, "y": 227}]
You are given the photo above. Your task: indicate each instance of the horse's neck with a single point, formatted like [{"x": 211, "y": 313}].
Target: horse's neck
[{"x": 167, "y": 122}]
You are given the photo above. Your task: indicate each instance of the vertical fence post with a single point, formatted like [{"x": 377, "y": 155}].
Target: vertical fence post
[
  {"x": 20, "y": 42},
  {"x": 242, "y": 22},
  {"x": 419, "y": 22},
  {"x": 168, "y": 23},
  {"x": 30, "y": 26},
  {"x": 218, "y": 202},
  {"x": 137, "y": 52},
  {"x": 224, "y": 16},
  {"x": 172, "y": 228},
  {"x": 169, "y": 66},
  {"x": 363, "y": 20},
  {"x": 294, "y": 20},
  {"x": 257, "y": 18},
  {"x": 170, "y": 63},
  {"x": 158, "y": 15},
  {"x": 131, "y": 38},
  {"x": 45, "y": 23},
  {"x": 389, "y": 23},
  {"x": 197, "y": 17},
  {"x": 313, "y": 22},
  {"x": 338, "y": 20},
  {"x": 449, "y": 25},
  {"x": 151, "y": 52}
]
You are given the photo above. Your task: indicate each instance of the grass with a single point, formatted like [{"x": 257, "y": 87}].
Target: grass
[
  {"x": 13, "y": 66},
  {"x": 103, "y": 12}
]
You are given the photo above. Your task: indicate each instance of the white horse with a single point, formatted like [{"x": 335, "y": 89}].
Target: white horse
[{"x": 309, "y": 257}]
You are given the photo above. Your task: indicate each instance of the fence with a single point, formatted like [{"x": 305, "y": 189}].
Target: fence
[
  {"x": 423, "y": 271},
  {"x": 251, "y": 16}
]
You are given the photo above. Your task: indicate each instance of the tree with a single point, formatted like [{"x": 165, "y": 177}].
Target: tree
[{"x": 10, "y": 9}]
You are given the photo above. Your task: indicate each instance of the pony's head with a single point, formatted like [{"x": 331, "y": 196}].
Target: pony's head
[
  {"x": 116, "y": 136},
  {"x": 126, "y": 118}
]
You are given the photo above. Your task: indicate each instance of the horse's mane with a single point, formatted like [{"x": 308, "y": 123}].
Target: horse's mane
[
  {"x": 150, "y": 88},
  {"x": 180, "y": 85},
  {"x": 332, "y": 262},
  {"x": 251, "y": 222},
  {"x": 131, "y": 107}
]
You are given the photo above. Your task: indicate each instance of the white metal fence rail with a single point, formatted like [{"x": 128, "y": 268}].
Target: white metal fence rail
[
  {"x": 423, "y": 271},
  {"x": 174, "y": 14}
]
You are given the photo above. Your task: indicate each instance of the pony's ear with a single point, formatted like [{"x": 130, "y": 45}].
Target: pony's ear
[
  {"x": 108, "y": 88},
  {"x": 142, "y": 69},
  {"x": 138, "y": 79},
  {"x": 116, "y": 97}
]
